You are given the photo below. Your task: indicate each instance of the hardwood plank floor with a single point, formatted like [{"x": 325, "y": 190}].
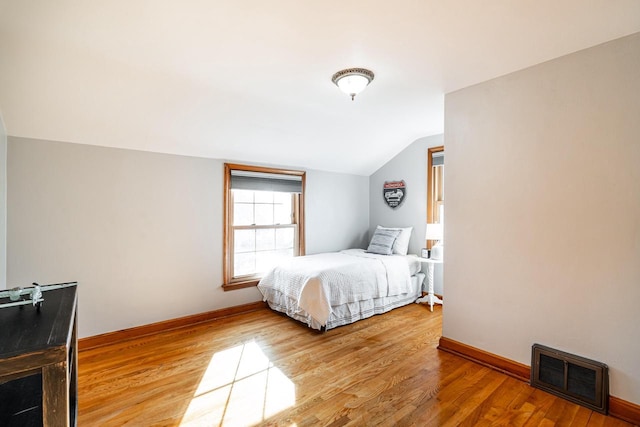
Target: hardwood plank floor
[{"x": 262, "y": 368}]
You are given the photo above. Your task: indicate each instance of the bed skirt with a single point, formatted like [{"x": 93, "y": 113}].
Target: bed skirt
[{"x": 345, "y": 313}]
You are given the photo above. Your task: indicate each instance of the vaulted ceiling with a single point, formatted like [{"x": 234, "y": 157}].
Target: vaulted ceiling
[{"x": 250, "y": 80}]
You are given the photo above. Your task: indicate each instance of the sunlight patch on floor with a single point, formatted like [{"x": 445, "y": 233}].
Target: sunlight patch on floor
[{"x": 241, "y": 387}]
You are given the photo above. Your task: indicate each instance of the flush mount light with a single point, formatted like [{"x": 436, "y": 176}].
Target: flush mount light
[{"x": 352, "y": 81}]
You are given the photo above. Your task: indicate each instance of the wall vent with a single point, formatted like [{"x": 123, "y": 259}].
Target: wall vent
[{"x": 580, "y": 380}]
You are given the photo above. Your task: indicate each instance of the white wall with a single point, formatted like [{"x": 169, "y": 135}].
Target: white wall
[
  {"x": 141, "y": 232},
  {"x": 543, "y": 211},
  {"x": 3, "y": 204},
  {"x": 337, "y": 211},
  {"x": 409, "y": 165}
]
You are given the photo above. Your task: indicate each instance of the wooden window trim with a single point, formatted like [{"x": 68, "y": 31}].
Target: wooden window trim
[
  {"x": 228, "y": 282},
  {"x": 431, "y": 204}
]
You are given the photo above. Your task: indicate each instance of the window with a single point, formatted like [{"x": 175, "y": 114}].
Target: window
[
  {"x": 435, "y": 187},
  {"x": 264, "y": 221}
]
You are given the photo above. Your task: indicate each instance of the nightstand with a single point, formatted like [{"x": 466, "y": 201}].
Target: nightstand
[{"x": 430, "y": 298}]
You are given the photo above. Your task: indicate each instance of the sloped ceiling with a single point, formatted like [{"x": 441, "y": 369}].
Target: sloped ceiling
[{"x": 249, "y": 80}]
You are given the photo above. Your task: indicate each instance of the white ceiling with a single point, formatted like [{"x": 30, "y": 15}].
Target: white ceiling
[{"x": 250, "y": 80}]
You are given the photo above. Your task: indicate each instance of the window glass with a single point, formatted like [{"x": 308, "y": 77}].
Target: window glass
[
  {"x": 243, "y": 196},
  {"x": 266, "y": 239},
  {"x": 285, "y": 238},
  {"x": 244, "y": 264},
  {"x": 244, "y": 240},
  {"x": 263, "y": 197},
  {"x": 282, "y": 213},
  {"x": 243, "y": 214},
  {"x": 263, "y": 214}
]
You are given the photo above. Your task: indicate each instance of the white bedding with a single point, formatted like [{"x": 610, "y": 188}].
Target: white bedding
[{"x": 313, "y": 286}]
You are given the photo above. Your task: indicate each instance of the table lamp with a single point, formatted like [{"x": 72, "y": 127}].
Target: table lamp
[{"x": 436, "y": 232}]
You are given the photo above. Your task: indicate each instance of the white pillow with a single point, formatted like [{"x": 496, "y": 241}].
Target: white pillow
[
  {"x": 382, "y": 241},
  {"x": 401, "y": 245}
]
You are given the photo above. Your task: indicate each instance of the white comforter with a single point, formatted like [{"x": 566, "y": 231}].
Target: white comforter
[{"x": 318, "y": 282}]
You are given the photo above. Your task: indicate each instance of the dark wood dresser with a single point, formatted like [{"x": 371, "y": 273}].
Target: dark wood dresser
[{"x": 39, "y": 362}]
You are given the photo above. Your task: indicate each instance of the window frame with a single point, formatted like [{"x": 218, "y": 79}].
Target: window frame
[{"x": 229, "y": 282}]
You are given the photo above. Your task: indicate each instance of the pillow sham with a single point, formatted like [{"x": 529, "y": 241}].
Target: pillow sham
[
  {"x": 401, "y": 245},
  {"x": 382, "y": 241}
]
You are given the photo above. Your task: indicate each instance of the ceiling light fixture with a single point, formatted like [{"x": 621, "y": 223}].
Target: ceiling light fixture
[{"x": 352, "y": 81}]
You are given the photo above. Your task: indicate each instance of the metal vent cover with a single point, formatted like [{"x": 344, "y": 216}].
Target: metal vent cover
[{"x": 575, "y": 378}]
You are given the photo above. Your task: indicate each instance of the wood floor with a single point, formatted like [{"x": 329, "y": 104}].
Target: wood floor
[{"x": 262, "y": 368}]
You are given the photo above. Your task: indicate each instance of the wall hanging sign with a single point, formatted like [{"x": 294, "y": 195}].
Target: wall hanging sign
[{"x": 394, "y": 193}]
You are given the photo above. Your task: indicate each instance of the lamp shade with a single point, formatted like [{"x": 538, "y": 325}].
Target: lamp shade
[{"x": 434, "y": 232}]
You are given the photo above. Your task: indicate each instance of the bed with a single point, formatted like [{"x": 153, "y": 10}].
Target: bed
[{"x": 337, "y": 288}]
